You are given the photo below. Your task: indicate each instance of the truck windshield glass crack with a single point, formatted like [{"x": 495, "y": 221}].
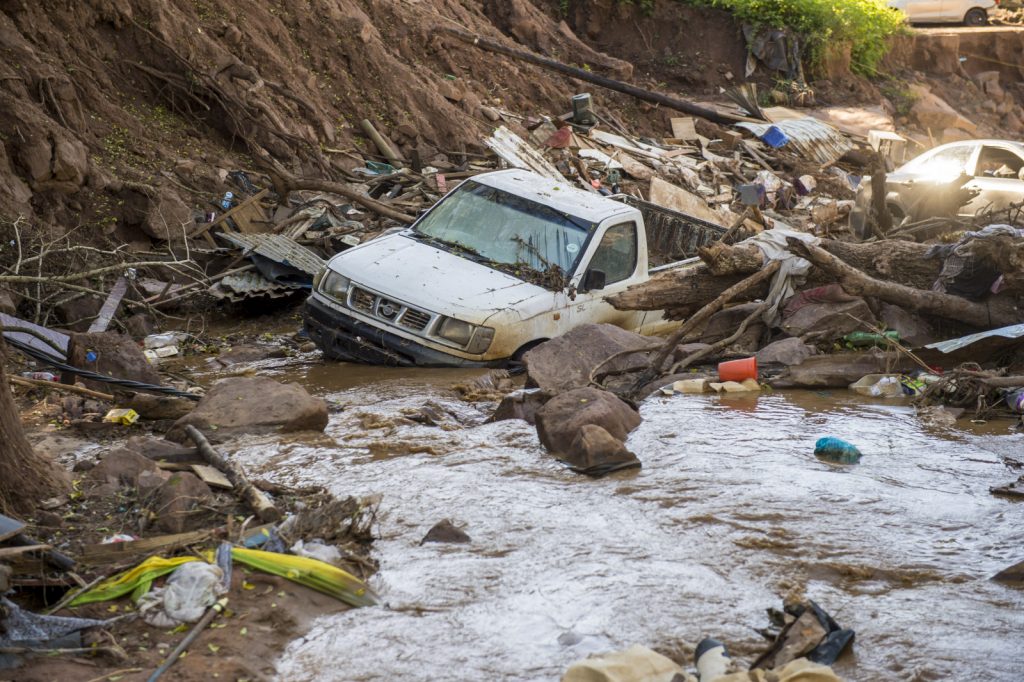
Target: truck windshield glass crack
[{"x": 524, "y": 238}]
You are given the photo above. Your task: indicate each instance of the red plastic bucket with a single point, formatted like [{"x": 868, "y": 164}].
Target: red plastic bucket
[{"x": 738, "y": 370}]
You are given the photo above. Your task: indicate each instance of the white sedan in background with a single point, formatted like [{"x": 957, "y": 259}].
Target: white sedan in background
[{"x": 968, "y": 12}]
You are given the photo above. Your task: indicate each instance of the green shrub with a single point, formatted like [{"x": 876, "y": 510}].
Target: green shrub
[{"x": 865, "y": 24}]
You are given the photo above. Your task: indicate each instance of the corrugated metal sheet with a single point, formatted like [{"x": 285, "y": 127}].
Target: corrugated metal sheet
[
  {"x": 280, "y": 249},
  {"x": 61, "y": 340},
  {"x": 250, "y": 285},
  {"x": 518, "y": 153},
  {"x": 811, "y": 137},
  {"x": 1014, "y": 331}
]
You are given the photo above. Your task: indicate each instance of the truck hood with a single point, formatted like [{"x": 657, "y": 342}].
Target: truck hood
[{"x": 435, "y": 280}]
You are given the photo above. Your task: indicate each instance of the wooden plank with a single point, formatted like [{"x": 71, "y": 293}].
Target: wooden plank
[
  {"x": 212, "y": 476},
  {"x": 6, "y": 552},
  {"x": 110, "y": 306},
  {"x": 9, "y": 527},
  {"x": 230, "y": 213},
  {"x": 117, "y": 551},
  {"x": 683, "y": 128},
  {"x": 671, "y": 196}
]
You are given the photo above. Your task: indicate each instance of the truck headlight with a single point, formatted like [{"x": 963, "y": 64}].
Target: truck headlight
[
  {"x": 335, "y": 285},
  {"x": 473, "y": 338}
]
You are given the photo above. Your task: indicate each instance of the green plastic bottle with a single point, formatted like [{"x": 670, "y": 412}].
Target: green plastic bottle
[{"x": 868, "y": 339}]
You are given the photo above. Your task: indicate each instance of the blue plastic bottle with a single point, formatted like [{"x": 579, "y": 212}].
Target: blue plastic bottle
[{"x": 836, "y": 450}]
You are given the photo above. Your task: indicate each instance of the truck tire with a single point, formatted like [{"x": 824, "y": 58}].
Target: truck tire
[
  {"x": 518, "y": 355},
  {"x": 976, "y": 17}
]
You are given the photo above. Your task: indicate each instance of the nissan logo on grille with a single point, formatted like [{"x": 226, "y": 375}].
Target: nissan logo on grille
[{"x": 387, "y": 309}]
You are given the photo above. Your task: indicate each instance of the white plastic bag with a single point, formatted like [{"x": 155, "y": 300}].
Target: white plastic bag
[{"x": 191, "y": 589}]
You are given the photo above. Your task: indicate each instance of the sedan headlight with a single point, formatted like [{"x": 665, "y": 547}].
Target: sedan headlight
[
  {"x": 335, "y": 285},
  {"x": 473, "y": 338}
]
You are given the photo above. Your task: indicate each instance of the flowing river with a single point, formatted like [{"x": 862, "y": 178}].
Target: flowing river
[{"x": 730, "y": 513}]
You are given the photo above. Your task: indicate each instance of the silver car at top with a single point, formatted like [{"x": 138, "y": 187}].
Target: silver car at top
[{"x": 996, "y": 168}]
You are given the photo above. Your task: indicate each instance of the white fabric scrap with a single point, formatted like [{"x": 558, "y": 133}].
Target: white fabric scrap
[{"x": 792, "y": 269}]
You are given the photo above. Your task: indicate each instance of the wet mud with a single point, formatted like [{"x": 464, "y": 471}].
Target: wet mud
[{"x": 731, "y": 513}]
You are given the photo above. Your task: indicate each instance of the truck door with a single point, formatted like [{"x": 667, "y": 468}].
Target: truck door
[{"x": 617, "y": 259}]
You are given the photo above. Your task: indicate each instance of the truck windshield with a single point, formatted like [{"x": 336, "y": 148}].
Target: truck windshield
[{"x": 524, "y": 238}]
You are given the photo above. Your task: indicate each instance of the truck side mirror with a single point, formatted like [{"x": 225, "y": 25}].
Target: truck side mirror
[{"x": 594, "y": 280}]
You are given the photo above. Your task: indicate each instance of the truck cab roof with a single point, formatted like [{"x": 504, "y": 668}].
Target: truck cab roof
[{"x": 559, "y": 195}]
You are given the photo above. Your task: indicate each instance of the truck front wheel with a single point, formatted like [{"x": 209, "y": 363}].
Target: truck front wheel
[{"x": 517, "y": 357}]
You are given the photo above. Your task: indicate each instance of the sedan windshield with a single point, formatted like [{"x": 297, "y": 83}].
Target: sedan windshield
[{"x": 524, "y": 238}]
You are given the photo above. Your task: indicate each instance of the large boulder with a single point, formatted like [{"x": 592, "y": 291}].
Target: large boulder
[
  {"x": 932, "y": 112},
  {"x": 114, "y": 355},
  {"x": 562, "y": 417},
  {"x": 245, "y": 405},
  {"x": 168, "y": 217},
  {"x": 828, "y": 321},
  {"x": 595, "y": 452},
  {"x": 565, "y": 362}
]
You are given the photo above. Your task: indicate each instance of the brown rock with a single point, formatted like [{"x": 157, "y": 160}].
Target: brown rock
[
  {"x": 840, "y": 369},
  {"x": 151, "y": 406},
  {"x": 156, "y": 449},
  {"x": 77, "y": 313},
  {"x": 140, "y": 325},
  {"x": 70, "y": 162},
  {"x": 168, "y": 217},
  {"x": 244, "y": 405},
  {"x": 565, "y": 363},
  {"x": 829, "y": 320},
  {"x": 913, "y": 329},
  {"x": 447, "y": 532},
  {"x": 116, "y": 356},
  {"x": 931, "y": 111},
  {"x": 121, "y": 467},
  {"x": 595, "y": 452},
  {"x": 36, "y": 156},
  {"x": 784, "y": 352},
  {"x": 522, "y": 404},
  {"x": 179, "y": 502},
  {"x": 561, "y": 419}
]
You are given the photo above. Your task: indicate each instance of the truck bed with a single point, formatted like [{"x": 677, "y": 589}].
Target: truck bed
[{"x": 671, "y": 236}]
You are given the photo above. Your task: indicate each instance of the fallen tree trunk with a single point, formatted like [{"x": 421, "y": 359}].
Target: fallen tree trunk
[
  {"x": 995, "y": 312},
  {"x": 679, "y": 290},
  {"x": 255, "y": 498},
  {"x": 589, "y": 77},
  {"x": 893, "y": 260}
]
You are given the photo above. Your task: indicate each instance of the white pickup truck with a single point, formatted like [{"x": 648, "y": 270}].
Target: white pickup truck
[{"x": 503, "y": 262}]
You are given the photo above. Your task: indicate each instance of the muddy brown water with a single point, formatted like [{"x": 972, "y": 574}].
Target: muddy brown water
[{"x": 730, "y": 513}]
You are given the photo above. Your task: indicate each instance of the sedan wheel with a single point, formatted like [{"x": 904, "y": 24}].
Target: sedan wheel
[{"x": 976, "y": 17}]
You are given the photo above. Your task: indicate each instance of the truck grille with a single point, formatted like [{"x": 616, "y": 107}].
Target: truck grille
[
  {"x": 363, "y": 300},
  {"x": 388, "y": 310},
  {"x": 415, "y": 319}
]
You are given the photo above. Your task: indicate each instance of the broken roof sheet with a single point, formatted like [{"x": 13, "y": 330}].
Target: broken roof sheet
[
  {"x": 1014, "y": 331},
  {"x": 811, "y": 137},
  {"x": 9, "y": 322},
  {"x": 518, "y": 153},
  {"x": 250, "y": 285},
  {"x": 280, "y": 249}
]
